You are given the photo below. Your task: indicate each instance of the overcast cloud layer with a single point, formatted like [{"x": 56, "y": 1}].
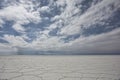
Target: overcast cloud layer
[{"x": 59, "y": 26}]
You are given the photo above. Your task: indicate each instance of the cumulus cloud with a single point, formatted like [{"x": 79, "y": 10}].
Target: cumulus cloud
[
  {"x": 20, "y": 15},
  {"x": 44, "y": 9},
  {"x": 15, "y": 40},
  {"x": 18, "y": 27},
  {"x": 60, "y": 25}
]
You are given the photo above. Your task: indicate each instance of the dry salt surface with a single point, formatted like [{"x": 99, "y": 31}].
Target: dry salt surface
[{"x": 60, "y": 67}]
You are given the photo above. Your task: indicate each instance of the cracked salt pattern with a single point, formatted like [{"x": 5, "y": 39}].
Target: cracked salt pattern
[{"x": 60, "y": 67}]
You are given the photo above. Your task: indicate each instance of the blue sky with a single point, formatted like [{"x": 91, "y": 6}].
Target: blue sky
[{"x": 59, "y": 26}]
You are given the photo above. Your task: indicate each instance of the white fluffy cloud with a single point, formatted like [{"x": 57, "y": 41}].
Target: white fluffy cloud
[
  {"x": 44, "y": 9},
  {"x": 69, "y": 21},
  {"x": 15, "y": 40},
  {"x": 18, "y": 27},
  {"x": 20, "y": 15}
]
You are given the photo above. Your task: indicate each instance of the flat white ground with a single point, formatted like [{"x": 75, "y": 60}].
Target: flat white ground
[{"x": 60, "y": 67}]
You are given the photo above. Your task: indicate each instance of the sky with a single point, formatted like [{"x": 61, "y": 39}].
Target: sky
[{"x": 59, "y": 27}]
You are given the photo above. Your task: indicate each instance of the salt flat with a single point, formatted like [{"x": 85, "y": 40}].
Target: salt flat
[{"x": 60, "y": 67}]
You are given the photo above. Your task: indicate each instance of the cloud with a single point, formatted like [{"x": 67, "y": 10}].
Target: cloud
[
  {"x": 1, "y": 22},
  {"x": 44, "y": 9},
  {"x": 20, "y": 15},
  {"x": 60, "y": 26},
  {"x": 18, "y": 28},
  {"x": 97, "y": 13},
  {"x": 15, "y": 40},
  {"x": 75, "y": 23},
  {"x": 102, "y": 43},
  {"x": 6, "y": 49}
]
